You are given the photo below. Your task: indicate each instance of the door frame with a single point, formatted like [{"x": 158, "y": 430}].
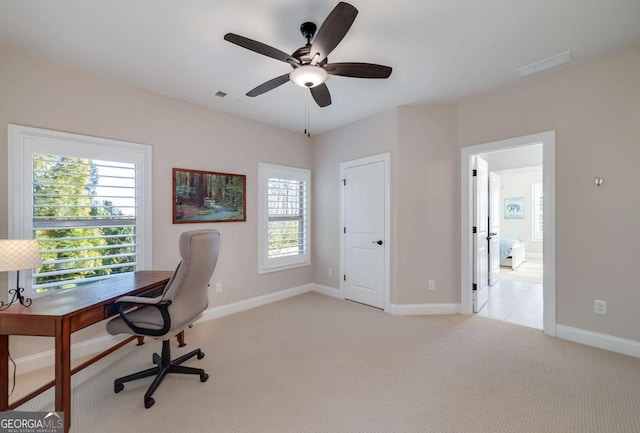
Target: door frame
[
  {"x": 480, "y": 239},
  {"x": 386, "y": 159},
  {"x": 494, "y": 257},
  {"x": 548, "y": 141}
]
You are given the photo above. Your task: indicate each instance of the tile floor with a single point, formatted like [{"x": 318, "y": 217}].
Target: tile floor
[{"x": 515, "y": 301}]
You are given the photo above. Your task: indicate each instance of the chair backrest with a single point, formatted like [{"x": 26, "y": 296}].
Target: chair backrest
[{"x": 188, "y": 288}]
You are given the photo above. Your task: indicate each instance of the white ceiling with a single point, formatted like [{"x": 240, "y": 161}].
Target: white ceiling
[{"x": 441, "y": 51}]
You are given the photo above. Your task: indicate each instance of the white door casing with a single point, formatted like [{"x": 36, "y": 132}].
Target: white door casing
[
  {"x": 364, "y": 237},
  {"x": 548, "y": 141},
  {"x": 494, "y": 228},
  {"x": 480, "y": 234}
]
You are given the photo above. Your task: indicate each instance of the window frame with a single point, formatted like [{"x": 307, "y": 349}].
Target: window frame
[
  {"x": 24, "y": 141},
  {"x": 266, "y": 264},
  {"x": 537, "y": 210}
]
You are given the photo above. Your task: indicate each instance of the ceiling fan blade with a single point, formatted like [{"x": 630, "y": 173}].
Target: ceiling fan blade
[
  {"x": 358, "y": 70},
  {"x": 332, "y": 30},
  {"x": 269, "y": 85},
  {"x": 321, "y": 95},
  {"x": 260, "y": 48}
]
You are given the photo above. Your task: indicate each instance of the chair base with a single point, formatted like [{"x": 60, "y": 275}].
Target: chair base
[{"x": 164, "y": 366}]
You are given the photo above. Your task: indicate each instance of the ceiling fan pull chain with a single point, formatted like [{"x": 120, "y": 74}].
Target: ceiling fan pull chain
[
  {"x": 308, "y": 121},
  {"x": 305, "y": 112}
]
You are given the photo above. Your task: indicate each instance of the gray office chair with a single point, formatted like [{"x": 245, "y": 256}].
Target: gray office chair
[{"x": 182, "y": 302}]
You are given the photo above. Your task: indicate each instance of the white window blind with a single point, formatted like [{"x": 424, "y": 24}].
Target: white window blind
[
  {"x": 87, "y": 202},
  {"x": 284, "y": 217},
  {"x": 538, "y": 206},
  {"x": 84, "y": 218}
]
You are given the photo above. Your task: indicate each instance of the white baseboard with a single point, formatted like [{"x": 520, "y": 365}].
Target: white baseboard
[
  {"x": 601, "y": 341},
  {"x": 425, "y": 309},
  {"x": 326, "y": 290},
  {"x": 247, "y": 304}
]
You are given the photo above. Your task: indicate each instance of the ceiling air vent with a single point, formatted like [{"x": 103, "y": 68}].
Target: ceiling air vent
[{"x": 544, "y": 64}]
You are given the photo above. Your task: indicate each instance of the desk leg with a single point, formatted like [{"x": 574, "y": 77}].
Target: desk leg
[
  {"x": 180, "y": 338},
  {"x": 4, "y": 372},
  {"x": 63, "y": 371}
]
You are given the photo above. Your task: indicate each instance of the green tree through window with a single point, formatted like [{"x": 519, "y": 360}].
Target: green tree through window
[{"x": 82, "y": 234}]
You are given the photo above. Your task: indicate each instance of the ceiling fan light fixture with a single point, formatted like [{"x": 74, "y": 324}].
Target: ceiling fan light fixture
[{"x": 308, "y": 76}]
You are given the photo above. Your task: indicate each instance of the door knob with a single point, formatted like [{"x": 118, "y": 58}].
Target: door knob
[{"x": 377, "y": 242}]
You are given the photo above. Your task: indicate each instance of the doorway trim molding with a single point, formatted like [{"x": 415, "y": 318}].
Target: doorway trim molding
[
  {"x": 386, "y": 158},
  {"x": 548, "y": 141}
]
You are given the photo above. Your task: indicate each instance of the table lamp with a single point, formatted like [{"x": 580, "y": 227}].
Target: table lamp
[{"x": 18, "y": 255}]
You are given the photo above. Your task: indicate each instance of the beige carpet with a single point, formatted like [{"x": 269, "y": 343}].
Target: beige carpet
[{"x": 317, "y": 364}]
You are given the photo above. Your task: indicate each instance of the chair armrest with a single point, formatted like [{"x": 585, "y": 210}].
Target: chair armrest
[
  {"x": 162, "y": 305},
  {"x": 139, "y": 300}
]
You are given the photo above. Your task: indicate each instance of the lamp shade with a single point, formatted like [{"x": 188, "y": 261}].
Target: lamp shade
[
  {"x": 19, "y": 254},
  {"x": 308, "y": 76}
]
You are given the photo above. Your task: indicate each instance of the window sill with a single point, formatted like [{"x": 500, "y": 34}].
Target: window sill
[{"x": 283, "y": 267}]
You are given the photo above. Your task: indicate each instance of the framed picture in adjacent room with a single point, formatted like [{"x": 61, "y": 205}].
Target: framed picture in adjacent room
[
  {"x": 513, "y": 208},
  {"x": 208, "y": 196}
]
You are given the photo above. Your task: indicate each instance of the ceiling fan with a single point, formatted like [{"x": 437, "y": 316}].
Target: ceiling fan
[{"x": 310, "y": 62}]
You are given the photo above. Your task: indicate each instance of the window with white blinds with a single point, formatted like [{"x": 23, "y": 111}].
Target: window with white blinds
[
  {"x": 84, "y": 200},
  {"x": 538, "y": 206},
  {"x": 284, "y": 217},
  {"x": 84, "y": 218}
]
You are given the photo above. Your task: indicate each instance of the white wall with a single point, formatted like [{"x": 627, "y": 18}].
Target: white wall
[
  {"x": 519, "y": 183},
  {"x": 42, "y": 94}
]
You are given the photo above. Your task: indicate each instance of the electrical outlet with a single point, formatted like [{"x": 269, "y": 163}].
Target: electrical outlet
[
  {"x": 600, "y": 307},
  {"x": 218, "y": 287},
  {"x": 330, "y": 272},
  {"x": 432, "y": 284}
]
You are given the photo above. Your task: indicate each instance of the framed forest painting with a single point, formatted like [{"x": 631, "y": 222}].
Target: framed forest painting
[{"x": 206, "y": 196}]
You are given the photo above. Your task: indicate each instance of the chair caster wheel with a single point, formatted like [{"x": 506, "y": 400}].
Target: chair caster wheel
[
  {"x": 148, "y": 402},
  {"x": 117, "y": 387},
  {"x": 204, "y": 377},
  {"x": 200, "y": 355}
]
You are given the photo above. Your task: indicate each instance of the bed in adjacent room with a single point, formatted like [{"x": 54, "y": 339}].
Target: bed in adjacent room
[{"x": 511, "y": 251}]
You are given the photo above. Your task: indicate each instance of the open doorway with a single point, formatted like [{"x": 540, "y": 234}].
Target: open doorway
[
  {"x": 520, "y": 277},
  {"x": 515, "y": 235}
]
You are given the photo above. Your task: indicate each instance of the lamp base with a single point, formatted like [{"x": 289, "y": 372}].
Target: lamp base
[{"x": 16, "y": 295}]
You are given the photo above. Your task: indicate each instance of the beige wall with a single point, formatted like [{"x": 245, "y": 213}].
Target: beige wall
[
  {"x": 424, "y": 190},
  {"x": 372, "y": 136},
  {"x": 595, "y": 111},
  {"x": 427, "y": 205},
  {"x": 44, "y": 95}
]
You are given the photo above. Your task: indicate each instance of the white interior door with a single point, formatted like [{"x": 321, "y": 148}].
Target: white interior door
[
  {"x": 364, "y": 233},
  {"x": 481, "y": 232},
  {"x": 494, "y": 228}
]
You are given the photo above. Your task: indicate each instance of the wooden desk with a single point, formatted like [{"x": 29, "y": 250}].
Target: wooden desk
[{"x": 60, "y": 314}]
